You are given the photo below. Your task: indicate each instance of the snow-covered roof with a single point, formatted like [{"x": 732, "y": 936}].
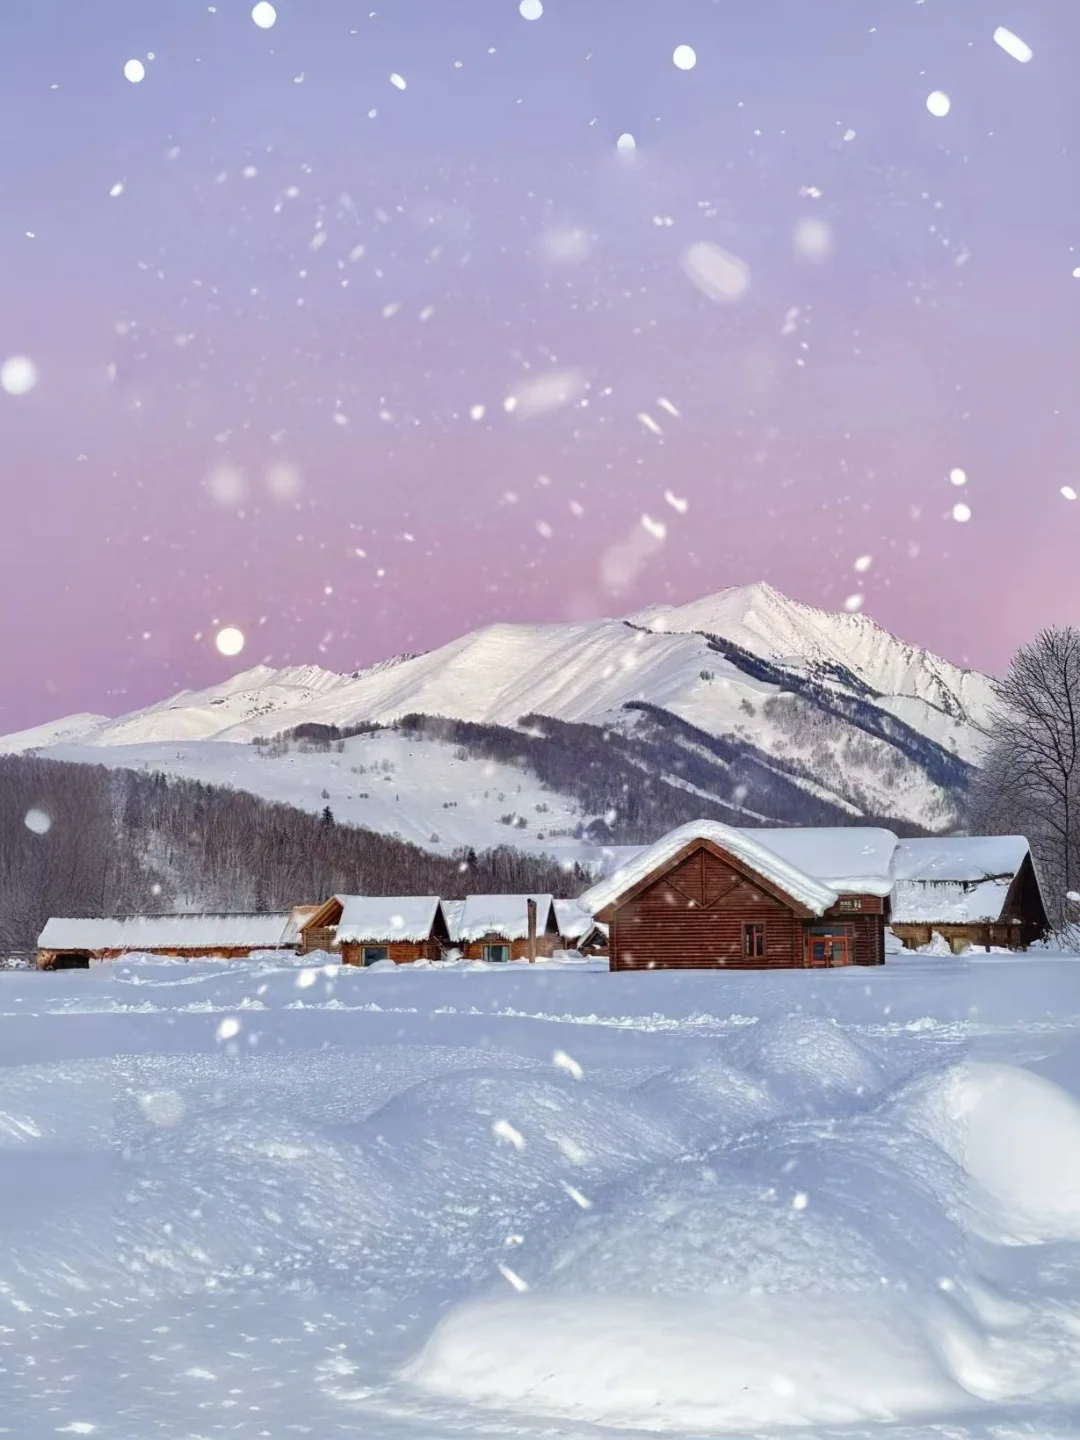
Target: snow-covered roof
[
  {"x": 167, "y": 932},
  {"x": 814, "y": 894},
  {"x": 949, "y": 902},
  {"x": 372, "y": 918},
  {"x": 298, "y": 917},
  {"x": 853, "y": 859},
  {"x": 572, "y": 920},
  {"x": 960, "y": 857},
  {"x": 504, "y": 915}
]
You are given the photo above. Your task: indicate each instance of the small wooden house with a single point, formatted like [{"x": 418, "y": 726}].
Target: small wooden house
[
  {"x": 578, "y": 930},
  {"x": 365, "y": 929},
  {"x": 71, "y": 944},
  {"x": 499, "y": 928},
  {"x": 709, "y": 896},
  {"x": 979, "y": 890}
]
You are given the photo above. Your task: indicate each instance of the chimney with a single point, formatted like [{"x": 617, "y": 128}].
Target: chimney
[{"x": 530, "y": 906}]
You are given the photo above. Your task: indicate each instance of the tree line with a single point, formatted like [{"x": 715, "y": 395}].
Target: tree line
[{"x": 82, "y": 840}]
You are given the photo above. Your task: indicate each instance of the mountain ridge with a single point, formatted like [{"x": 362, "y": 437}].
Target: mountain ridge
[{"x": 883, "y": 726}]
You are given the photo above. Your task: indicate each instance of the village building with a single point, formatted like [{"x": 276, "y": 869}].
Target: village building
[
  {"x": 500, "y": 928},
  {"x": 365, "y": 929},
  {"x": 578, "y": 930},
  {"x": 979, "y": 890},
  {"x": 709, "y": 896},
  {"x": 71, "y": 944}
]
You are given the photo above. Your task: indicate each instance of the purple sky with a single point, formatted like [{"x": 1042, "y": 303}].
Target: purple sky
[{"x": 188, "y": 331}]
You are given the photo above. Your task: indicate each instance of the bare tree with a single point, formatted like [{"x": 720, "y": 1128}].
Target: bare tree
[{"x": 1030, "y": 779}]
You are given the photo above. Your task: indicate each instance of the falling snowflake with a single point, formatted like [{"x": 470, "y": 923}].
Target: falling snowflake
[
  {"x": 938, "y": 103},
  {"x": 684, "y": 57},
  {"x": 18, "y": 375},
  {"x": 134, "y": 71},
  {"x": 1013, "y": 45},
  {"x": 230, "y": 640},
  {"x": 717, "y": 274},
  {"x": 264, "y": 15},
  {"x": 37, "y": 821}
]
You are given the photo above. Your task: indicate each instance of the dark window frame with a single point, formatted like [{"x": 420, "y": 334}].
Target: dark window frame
[
  {"x": 754, "y": 940},
  {"x": 504, "y": 959},
  {"x": 376, "y": 952}
]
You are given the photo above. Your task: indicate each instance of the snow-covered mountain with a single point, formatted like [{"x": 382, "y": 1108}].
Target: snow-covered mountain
[{"x": 834, "y": 703}]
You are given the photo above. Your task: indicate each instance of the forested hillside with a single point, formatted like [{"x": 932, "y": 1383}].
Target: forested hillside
[{"x": 83, "y": 840}]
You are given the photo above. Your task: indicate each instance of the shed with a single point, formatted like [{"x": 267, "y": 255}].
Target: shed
[
  {"x": 71, "y": 944},
  {"x": 498, "y": 928},
  {"x": 710, "y": 896},
  {"x": 978, "y": 890},
  {"x": 369, "y": 928}
]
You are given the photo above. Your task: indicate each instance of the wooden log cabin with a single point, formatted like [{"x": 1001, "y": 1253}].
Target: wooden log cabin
[
  {"x": 366, "y": 929},
  {"x": 709, "y": 896},
  {"x": 973, "y": 890},
  {"x": 501, "y": 928},
  {"x": 71, "y": 944}
]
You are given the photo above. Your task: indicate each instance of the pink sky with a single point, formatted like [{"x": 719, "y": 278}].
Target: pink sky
[{"x": 189, "y": 324}]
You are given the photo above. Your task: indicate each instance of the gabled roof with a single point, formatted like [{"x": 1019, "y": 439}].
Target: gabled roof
[
  {"x": 166, "y": 932},
  {"x": 367, "y": 919},
  {"x": 811, "y": 894},
  {"x": 505, "y": 916}
]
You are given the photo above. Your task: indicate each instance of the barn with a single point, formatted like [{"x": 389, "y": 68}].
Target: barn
[
  {"x": 71, "y": 944},
  {"x": 499, "y": 928},
  {"x": 979, "y": 890},
  {"x": 368, "y": 928},
  {"x": 709, "y": 896}
]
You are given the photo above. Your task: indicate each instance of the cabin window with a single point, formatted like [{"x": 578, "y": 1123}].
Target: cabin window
[
  {"x": 497, "y": 954},
  {"x": 753, "y": 941},
  {"x": 375, "y": 953}
]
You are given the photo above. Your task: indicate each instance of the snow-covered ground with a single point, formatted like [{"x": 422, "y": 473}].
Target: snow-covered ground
[
  {"x": 264, "y": 1200},
  {"x": 419, "y": 789}
]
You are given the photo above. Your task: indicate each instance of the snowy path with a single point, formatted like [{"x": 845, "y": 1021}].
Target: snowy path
[{"x": 252, "y": 1201}]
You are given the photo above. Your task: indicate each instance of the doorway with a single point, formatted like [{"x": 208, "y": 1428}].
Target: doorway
[{"x": 828, "y": 946}]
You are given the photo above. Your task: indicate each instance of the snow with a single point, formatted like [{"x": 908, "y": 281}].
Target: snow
[
  {"x": 572, "y": 919},
  {"x": 587, "y": 673},
  {"x": 961, "y": 858},
  {"x": 943, "y": 902},
  {"x": 855, "y": 859},
  {"x": 506, "y": 916},
  {"x": 421, "y": 791},
  {"x": 161, "y": 932},
  {"x": 386, "y": 917},
  {"x": 291, "y": 1197},
  {"x": 742, "y": 844}
]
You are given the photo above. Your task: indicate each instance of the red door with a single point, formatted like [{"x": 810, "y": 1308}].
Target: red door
[{"x": 825, "y": 949}]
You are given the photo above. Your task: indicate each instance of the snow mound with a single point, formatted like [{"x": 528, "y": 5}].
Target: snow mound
[
  {"x": 722, "y": 1363},
  {"x": 806, "y": 1057},
  {"x": 1017, "y": 1136},
  {"x": 713, "y": 1097},
  {"x": 262, "y": 1199},
  {"x": 478, "y": 1132}
]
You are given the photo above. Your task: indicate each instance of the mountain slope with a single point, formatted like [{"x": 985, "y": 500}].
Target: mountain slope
[{"x": 852, "y": 715}]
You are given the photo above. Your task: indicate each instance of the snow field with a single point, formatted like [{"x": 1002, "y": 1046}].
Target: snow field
[{"x": 250, "y": 1198}]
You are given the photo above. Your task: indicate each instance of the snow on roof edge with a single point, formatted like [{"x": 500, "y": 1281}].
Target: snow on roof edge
[{"x": 812, "y": 894}]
